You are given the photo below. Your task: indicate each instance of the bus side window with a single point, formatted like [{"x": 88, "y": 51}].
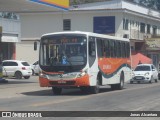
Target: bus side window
[
  {"x": 116, "y": 49},
  {"x": 107, "y": 45},
  {"x": 100, "y": 47},
  {"x": 128, "y": 49},
  {"x": 123, "y": 50},
  {"x": 112, "y": 44},
  {"x": 119, "y": 50}
]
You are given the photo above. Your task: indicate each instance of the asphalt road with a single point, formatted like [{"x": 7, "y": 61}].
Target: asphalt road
[{"x": 26, "y": 95}]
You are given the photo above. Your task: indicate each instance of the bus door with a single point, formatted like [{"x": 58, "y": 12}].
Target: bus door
[{"x": 93, "y": 61}]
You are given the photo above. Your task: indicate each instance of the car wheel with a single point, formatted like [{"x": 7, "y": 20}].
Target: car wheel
[
  {"x": 18, "y": 75},
  {"x": 56, "y": 90},
  {"x": 26, "y": 77}
]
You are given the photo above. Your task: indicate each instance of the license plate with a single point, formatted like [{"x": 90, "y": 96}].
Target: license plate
[
  {"x": 138, "y": 78},
  {"x": 61, "y": 82}
]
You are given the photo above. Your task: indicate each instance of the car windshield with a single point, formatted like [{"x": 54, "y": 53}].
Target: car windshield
[{"x": 143, "y": 68}]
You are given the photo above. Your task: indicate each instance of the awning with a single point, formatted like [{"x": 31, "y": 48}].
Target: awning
[
  {"x": 9, "y": 39},
  {"x": 140, "y": 58}
]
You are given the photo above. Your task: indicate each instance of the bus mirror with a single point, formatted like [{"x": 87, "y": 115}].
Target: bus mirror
[{"x": 35, "y": 46}]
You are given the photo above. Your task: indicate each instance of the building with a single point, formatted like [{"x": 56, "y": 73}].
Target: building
[
  {"x": 9, "y": 35},
  {"x": 117, "y": 17}
]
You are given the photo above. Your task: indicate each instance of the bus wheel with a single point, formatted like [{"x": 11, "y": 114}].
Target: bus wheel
[
  {"x": 95, "y": 89},
  {"x": 121, "y": 84},
  {"x": 56, "y": 90}
]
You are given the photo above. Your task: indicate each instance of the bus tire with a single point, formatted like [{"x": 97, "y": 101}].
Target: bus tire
[
  {"x": 56, "y": 90},
  {"x": 121, "y": 84}
]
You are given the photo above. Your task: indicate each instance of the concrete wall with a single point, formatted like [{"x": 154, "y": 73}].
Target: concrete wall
[
  {"x": 25, "y": 51},
  {"x": 34, "y": 25}
]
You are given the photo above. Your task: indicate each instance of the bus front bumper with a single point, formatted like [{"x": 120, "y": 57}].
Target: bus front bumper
[{"x": 77, "y": 82}]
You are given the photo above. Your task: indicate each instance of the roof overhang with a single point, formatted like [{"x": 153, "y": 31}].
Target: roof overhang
[{"x": 26, "y": 6}]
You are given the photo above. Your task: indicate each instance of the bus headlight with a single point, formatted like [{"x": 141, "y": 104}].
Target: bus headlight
[
  {"x": 43, "y": 75},
  {"x": 83, "y": 73}
]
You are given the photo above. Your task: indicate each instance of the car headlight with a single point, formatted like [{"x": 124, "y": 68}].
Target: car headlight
[{"x": 146, "y": 74}]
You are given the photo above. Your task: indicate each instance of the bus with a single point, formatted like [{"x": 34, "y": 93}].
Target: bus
[{"x": 85, "y": 60}]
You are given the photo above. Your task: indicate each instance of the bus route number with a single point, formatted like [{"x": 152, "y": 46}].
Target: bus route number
[{"x": 107, "y": 67}]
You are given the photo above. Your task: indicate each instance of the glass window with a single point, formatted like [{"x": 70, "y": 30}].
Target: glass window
[
  {"x": 119, "y": 51},
  {"x": 125, "y": 24},
  {"x": 100, "y": 47},
  {"x": 148, "y": 28},
  {"x": 142, "y": 68},
  {"x": 66, "y": 24},
  {"x": 128, "y": 49},
  {"x": 142, "y": 27},
  {"x": 12, "y": 64},
  {"x": 154, "y": 30},
  {"x": 64, "y": 52},
  {"x": 108, "y": 48},
  {"x": 123, "y": 50},
  {"x": 112, "y": 45},
  {"x": 4, "y": 63},
  {"x": 25, "y": 64}
]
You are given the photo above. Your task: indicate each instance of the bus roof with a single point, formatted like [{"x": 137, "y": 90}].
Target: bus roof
[{"x": 88, "y": 34}]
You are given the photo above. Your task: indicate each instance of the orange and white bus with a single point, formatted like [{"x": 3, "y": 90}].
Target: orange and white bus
[{"x": 85, "y": 60}]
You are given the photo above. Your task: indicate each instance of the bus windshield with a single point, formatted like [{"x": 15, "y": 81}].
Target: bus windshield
[{"x": 63, "y": 53}]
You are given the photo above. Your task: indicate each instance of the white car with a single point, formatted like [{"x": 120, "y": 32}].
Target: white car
[
  {"x": 16, "y": 68},
  {"x": 145, "y": 73},
  {"x": 35, "y": 68}
]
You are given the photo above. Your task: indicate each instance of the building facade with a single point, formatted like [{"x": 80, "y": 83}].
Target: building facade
[
  {"x": 9, "y": 35},
  {"x": 117, "y": 17}
]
